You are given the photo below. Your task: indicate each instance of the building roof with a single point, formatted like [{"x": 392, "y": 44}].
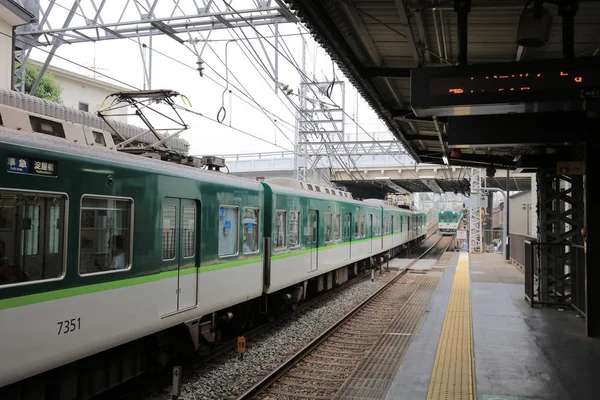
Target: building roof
[
  {"x": 82, "y": 78},
  {"x": 14, "y": 13}
]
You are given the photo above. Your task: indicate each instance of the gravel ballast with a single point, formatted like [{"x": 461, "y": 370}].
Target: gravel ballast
[{"x": 228, "y": 377}]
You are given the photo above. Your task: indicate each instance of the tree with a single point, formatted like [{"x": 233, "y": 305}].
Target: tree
[{"x": 48, "y": 89}]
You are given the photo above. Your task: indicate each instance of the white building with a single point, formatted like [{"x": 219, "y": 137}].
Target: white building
[
  {"x": 82, "y": 92},
  {"x": 11, "y": 14}
]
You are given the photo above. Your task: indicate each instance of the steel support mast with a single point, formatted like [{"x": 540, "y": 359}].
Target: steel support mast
[{"x": 475, "y": 229}]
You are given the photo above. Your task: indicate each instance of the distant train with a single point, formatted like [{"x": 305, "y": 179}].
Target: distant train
[
  {"x": 100, "y": 249},
  {"x": 448, "y": 222}
]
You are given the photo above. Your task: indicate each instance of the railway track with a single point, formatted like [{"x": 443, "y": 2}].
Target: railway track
[{"x": 320, "y": 369}]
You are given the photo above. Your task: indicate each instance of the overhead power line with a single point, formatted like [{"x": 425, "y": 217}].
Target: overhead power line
[{"x": 137, "y": 88}]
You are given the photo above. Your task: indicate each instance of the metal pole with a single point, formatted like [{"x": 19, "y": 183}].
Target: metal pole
[
  {"x": 505, "y": 224},
  {"x": 150, "y": 61},
  {"x": 506, "y": 218}
]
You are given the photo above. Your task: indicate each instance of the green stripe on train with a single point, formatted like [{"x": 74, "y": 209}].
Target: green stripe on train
[{"x": 101, "y": 287}]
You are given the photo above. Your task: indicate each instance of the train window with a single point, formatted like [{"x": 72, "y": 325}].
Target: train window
[
  {"x": 356, "y": 226},
  {"x": 363, "y": 231},
  {"x": 337, "y": 227},
  {"x": 105, "y": 234},
  {"x": 348, "y": 225},
  {"x": 188, "y": 231},
  {"x": 46, "y": 126},
  {"x": 250, "y": 239},
  {"x": 280, "y": 232},
  {"x": 169, "y": 232},
  {"x": 32, "y": 234},
  {"x": 294, "y": 229},
  {"x": 318, "y": 188},
  {"x": 369, "y": 226},
  {"x": 99, "y": 138},
  {"x": 312, "y": 227},
  {"x": 229, "y": 217},
  {"x": 328, "y": 227}
]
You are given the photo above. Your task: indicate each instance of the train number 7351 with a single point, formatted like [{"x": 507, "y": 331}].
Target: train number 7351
[{"x": 69, "y": 326}]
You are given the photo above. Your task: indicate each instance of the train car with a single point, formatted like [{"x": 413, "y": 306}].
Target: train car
[
  {"x": 327, "y": 233},
  {"x": 101, "y": 249},
  {"x": 448, "y": 222}
]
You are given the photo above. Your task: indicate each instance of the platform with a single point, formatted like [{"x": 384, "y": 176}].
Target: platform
[{"x": 479, "y": 339}]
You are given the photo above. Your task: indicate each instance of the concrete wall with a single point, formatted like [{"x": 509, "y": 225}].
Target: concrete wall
[{"x": 5, "y": 55}]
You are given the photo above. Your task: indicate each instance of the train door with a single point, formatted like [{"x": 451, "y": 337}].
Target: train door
[
  {"x": 348, "y": 234},
  {"x": 312, "y": 242},
  {"x": 370, "y": 231},
  {"x": 393, "y": 231},
  {"x": 180, "y": 252}
]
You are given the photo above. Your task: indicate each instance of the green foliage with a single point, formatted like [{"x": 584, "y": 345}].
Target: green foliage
[{"x": 49, "y": 89}]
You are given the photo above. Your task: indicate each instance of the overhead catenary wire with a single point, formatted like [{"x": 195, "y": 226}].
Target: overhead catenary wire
[
  {"x": 303, "y": 74},
  {"x": 226, "y": 79},
  {"x": 336, "y": 156},
  {"x": 247, "y": 95},
  {"x": 240, "y": 83},
  {"x": 183, "y": 108}
]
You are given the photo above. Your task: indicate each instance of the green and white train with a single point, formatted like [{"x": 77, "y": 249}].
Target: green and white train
[
  {"x": 100, "y": 249},
  {"x": 448, "y": 221}
]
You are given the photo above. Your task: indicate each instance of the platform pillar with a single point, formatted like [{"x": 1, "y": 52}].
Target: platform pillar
[
  {"x": 561, "y": 217},
  {"x": 592, "y": 243}
]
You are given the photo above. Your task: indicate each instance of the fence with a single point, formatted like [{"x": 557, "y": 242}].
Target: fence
[
  {"x": 555, "y": 274},
  {"x": 517, "y": 248}
]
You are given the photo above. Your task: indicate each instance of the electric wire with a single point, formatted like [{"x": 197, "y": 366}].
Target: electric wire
[
  {"x": 195, "y": 69},
  {"x": 260, "y": 63},
  {"x": 247, "y": 94},
  {"x": 183, "y": 108},
  {"x": 239, "y": 82},
  {"x": 307, "y": 78}
]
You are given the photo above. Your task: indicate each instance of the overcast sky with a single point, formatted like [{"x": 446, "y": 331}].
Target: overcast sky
[{"x": 121, "y": 59}]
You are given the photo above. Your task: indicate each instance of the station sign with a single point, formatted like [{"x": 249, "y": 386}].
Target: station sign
[
  {"x": 570, "y": 168},
  {"x": 461, "y": 234},
  {"x": 31, "y": 166}
]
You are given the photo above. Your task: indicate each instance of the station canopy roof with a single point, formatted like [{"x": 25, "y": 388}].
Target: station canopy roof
[{"x": 377, "y": 43}]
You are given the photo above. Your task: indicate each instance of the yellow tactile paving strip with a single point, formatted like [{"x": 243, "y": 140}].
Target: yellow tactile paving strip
[{"x": 453, "y": 376}]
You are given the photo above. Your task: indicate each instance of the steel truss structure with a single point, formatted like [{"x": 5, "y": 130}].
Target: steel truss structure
[
  {"x": 320, "y": 125},
  {"x": 475, "y": 220},
  {"x": 560, "y": 277},
  {"x": 320, "y": 139},
  {"x": 97, "y": 20}
]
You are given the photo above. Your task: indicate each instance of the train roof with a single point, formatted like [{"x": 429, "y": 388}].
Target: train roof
[
  {"x": 60, "y": 145},
  {"x": 36, "y": 105},
  {"x": 293, "y": 187}
]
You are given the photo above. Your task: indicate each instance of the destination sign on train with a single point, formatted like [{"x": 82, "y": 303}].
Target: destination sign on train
[{"x": 26, "y": 165}]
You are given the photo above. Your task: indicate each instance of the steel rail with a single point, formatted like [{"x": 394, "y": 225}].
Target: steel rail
[{"x": 271, "y": 378}]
